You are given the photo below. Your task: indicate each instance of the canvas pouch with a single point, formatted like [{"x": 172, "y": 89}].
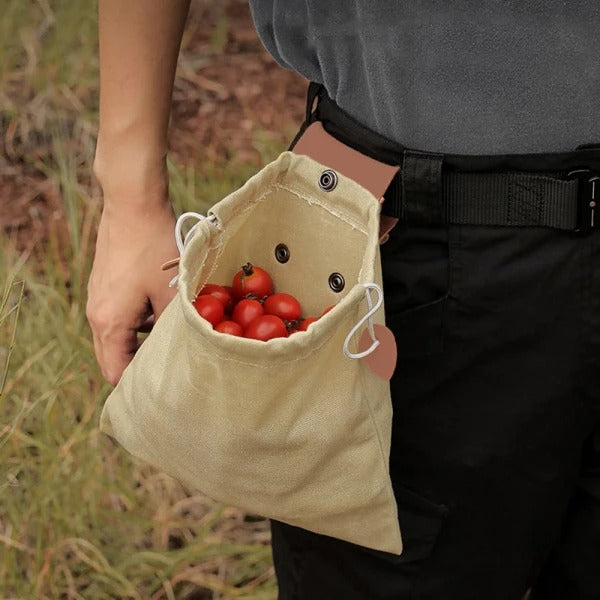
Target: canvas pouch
[{"x": 296, "y": 429}]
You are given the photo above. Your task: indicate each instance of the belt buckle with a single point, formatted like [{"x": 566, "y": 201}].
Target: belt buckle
[{"x": 587, "y": 195}]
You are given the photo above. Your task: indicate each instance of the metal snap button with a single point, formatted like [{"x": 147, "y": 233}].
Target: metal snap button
[
  {"x": 328, "y": 180},
  {"x": 282, "y": 253},
  {"x": 336, "y": 282}
]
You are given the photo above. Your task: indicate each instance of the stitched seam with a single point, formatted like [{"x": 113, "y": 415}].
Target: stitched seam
[
  {"x": 236, "y": 213},
  {"x": 385, "y": 460},
  {"x": 509, "y": 194},
  {"x": 249, "y": 206},
  {"x": 274, "y": 186},
  {"x": 355, "y": 224}
]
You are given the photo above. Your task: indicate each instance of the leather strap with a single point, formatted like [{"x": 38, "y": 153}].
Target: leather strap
[{"x": 373, "y": 175}]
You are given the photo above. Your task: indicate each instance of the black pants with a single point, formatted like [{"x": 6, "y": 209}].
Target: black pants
[{"x": 495, "y": 456}]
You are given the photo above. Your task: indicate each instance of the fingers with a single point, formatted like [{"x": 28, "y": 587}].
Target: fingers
[
  {"x": 114, "y": 350},
  {"x": 115, "y": 344},
  {"x": 115, "y": 331},
  {"x": 115, "y": 322},
  {"x": 97, "y": 349},
  {"x": 117, "y": 352},
  {"x": 127, "y": 291}
]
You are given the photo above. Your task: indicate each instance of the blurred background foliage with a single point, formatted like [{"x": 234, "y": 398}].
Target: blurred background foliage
[{"x": 79, "y": 517}]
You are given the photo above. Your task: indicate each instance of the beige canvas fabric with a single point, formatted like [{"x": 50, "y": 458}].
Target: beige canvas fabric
[{"x": 291, "y": 429}]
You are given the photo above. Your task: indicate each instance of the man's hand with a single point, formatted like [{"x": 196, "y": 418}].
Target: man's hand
[{"x": 127, "y": 291}]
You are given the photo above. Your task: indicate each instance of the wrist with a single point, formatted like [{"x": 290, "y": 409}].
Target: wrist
[
  {"x": 139, "y": 211},
  {"x": 131, "y": 173}
]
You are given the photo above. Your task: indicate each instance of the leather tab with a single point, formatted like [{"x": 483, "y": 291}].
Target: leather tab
[
  {"x": 386, "y": 224},
  {"x": 170, "y": 264},
  {"x": 321, "y": 146}
]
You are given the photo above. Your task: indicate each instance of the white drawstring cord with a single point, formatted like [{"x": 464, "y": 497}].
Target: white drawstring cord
[
  {"x": 372, "y": 310},
  {"x": 181, "y": 240}
]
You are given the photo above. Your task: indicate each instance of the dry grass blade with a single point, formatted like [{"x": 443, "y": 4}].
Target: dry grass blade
[
  {"x": 5, "y": 312},
  {"x": 79, "y": 518}
]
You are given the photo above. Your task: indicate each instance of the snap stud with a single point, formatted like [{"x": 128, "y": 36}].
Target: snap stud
[
  {"x": 328, "y": 180},
  {"x": 336, "y": 282},
  {"x": 282, "y": 253}
]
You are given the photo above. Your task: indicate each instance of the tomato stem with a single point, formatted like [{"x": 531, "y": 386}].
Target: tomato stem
[
  {"x": 293, "y": 323},
  {"x": 248, "y": 269}
]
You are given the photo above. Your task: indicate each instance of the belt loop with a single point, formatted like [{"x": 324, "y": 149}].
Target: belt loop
[
  {"x": 422, "y": 187},
  {"x": 313, "y": 91}
]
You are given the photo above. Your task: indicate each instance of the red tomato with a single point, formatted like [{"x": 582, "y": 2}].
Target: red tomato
[
  {"x": 284, "y": 306},
  {"x": 208, "y": 288},
  {"x": 308, "y": 321},
  {"x": 327, "y": 309},
  {"x": 252, "y": 280},
  {"x": 265, "y": 328},
  {"x": 209, "y": 308},
  {"x": 220, "y": 293},
  {"x": 246, "y": 310},
  {"x": 230, "y": 327}
]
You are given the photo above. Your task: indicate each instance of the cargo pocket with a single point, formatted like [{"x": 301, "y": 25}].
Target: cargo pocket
[
  {"x": 310, "y": 565},
  {"x": 418, "y": 271},
  {"x": 420, "y": 522}
]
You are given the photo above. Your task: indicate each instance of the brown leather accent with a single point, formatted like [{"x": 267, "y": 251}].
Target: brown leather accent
[
  {"x": 382, "y": 361},
  {"x": 170, "y": 264},
  {"x": 386, "y": 224},
  {"x": 373, "y": 175}
]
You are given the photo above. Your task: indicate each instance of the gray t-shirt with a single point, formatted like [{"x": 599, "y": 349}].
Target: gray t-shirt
[{"x": 466, "y": 77}]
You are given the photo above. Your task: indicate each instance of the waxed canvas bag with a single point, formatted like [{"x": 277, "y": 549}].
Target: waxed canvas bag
[{"x": 296, "y": 429}]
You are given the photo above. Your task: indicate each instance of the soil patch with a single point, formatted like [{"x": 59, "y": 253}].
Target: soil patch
[{"x": 230, "y": 98}]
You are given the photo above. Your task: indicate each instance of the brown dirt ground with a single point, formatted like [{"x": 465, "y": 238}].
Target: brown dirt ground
[
  {"x": 217, "y": 108},
  {"x": 226, "y": 90}
]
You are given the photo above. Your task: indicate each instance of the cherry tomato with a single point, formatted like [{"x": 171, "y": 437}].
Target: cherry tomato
[
  {"x": 230, "y": 327},
  {"x": 308, "y": 321},
  {"x": 220, "y": 293},
  {"x": 252, "y": 280},
  {"x": 265, "y": 328},
  {"x": 246, "y": 310},
  {"x": 208, "y": 288},
  {"x": 327, "y": 309},
  {"x": 209, "y": 308},
  {"x": 284, "y": 306}
]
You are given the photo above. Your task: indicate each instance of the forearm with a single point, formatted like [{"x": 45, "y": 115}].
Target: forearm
[{"x": 139, "y": 43}]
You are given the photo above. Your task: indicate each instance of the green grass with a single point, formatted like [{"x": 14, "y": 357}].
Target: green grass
[
  {"x": 79, "y": 517},
  {"x": 48, "y": 74}
]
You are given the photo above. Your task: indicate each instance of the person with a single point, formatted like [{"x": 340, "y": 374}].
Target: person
[{"x": 495, "y": 457}]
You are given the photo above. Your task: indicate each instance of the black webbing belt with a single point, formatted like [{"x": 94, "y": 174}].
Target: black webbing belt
[{"x": 557, "y": 189}]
